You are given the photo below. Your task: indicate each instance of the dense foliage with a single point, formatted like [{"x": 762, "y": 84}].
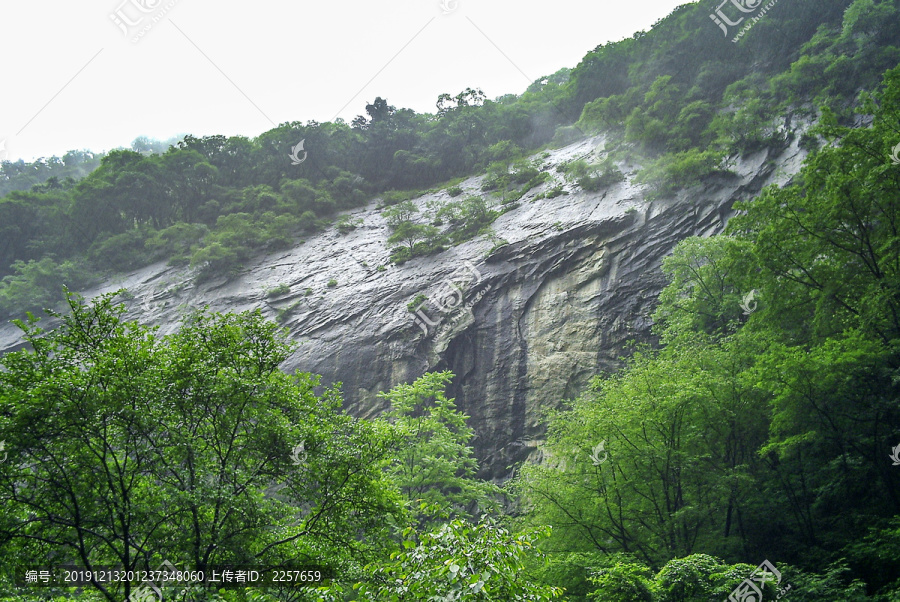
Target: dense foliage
[
  {"x": 677, "y": 99},
  {"x": 127, "y": 449},
  {"x": 757, "y": 434},
  {"x": 763, "y": 428}
]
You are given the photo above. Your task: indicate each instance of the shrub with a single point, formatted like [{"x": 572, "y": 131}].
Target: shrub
[
  {"x": 284, "y": 313},
  {"x": 256, "y": 198},
  {"x": 836, "y": 583},
  {"x": 345, "y": 223},
  {"x": 39, "y": 284},
  {"x": 809, "y": 142},
  {"x": 467, "y": 217},
  {"x": 674, "y": 172},
  {"x": 689, "y": 579},
  {"x": 392, "y": 197},
  {"x": 231, "y": 243},
  {"x": 400, "y": 255},
  {"x": 454, "y": 191},
  {"x": 609, "y": 113},
  {"x": 594, "y": 177},
  {"x": 523, "y": 171},
  {"x": 176, "y": 242},
  {"x": 623, "y": 582},
  {"x": 332, "y": 283},
  {"x": 552, "y": 193},
  {"x": 278, "y": 230},
  {"x": 216, "y": 258},
  {"x": 308, "y": 221},
  {"x": 512, "y": 198},
  {"x": 299, "y": 195},
  {"x": 534, "y": 182},
  {"x": 281, "y": 289},
  {"x": 503, "y": 152},
  {"x": 747, "y": 129},
  {"x": 566, "y": 134},
  {"x": 120, "y": 252},
  {"x": 413, "y": 305},
  {"x": 498, "y": 244},
  {"x": 459, "y": 561},
  {"x": 400, "y": 213},
  {"x": 417, "y": 239}
]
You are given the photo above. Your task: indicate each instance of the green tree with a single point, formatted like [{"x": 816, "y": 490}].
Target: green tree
[
  {"x": 127, "y": 449},
  {"x": 189, "y": 179},
  {"x": 656, "y": 461},
  {"x": 407, "y": 237},
  {"x": 434, "y": 464},
  {"x": 458, "y": 561},
  {"x": 623, "y": 581},
  {"x": 37, "y": 285},
  {"x": 400, "y": 213}
]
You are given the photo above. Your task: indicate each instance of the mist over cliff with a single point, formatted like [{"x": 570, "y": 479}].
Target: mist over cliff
[{"x": 523, "y": 315}]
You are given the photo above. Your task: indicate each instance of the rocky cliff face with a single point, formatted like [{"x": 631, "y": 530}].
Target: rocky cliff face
[{"x": 523, "y": 325}]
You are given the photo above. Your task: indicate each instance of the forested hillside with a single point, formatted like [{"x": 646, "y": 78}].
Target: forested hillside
[
  {"x": 754, "y": 454},
  {"x": 767, "y": 424},
  {"x": 681, "y": 98}
]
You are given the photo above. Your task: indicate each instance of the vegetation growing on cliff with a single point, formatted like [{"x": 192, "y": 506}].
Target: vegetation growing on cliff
[
  {"x": 759, "y": 434},
  {"x": 678, "y": 97},
  {"x": 761, "y": 429},
  {"x": 765, "y": 425}
]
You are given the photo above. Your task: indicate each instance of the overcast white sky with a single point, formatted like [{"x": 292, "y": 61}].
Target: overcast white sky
[{"x": 73, "y": 80}]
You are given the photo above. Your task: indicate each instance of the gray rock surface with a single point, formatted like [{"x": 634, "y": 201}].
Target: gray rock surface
[{"x": 540, "y": 315}]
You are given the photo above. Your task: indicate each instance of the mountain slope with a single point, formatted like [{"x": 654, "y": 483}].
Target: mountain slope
[{"x": 559, "y": 303}]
